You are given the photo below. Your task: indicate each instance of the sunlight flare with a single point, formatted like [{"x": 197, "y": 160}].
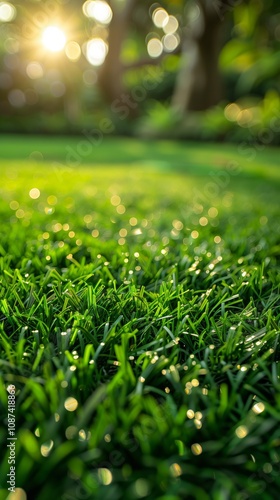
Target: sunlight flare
[{"x": 54, "y": 39}]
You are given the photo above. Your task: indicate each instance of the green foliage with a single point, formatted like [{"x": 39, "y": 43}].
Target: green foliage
[
  {"x": 163, "y": 329},
  {"x": 61, "y": 94}
]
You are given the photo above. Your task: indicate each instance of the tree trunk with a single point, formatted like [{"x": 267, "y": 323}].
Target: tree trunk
[
  {"x": 111, "y": 73},
  {"x": 199, "y": 85}
]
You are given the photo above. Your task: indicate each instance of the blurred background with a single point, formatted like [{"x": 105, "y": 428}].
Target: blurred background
[{"x": 187, "y": 69}]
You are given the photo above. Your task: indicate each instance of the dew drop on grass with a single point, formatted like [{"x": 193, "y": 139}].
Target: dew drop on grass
[
  {"x": 198, "y": 208},
  {"x": 197, "y": 423},
  {"x": 57, "y": 227},
  {"x": 82, "y": 435},
  {"x": 115, "y": 200},
  {"x": 87, "y": 218},
  {"x": 196, "y": 449},
  {"x": 195, "y": 382},
  {"x": 120, "y": 209},
  {"x": 213, "y": 212},
  {"x": 14, "y": 205},
  {"x": 20, "y": 213},
  {"x": 133, "y": 221},
  {"x": 138, "y": 231},
  {"x": 258, "y": 408},
  {"x": 49, "y": 211},
  {"x": 175, "y": 470},
  {"x": 46, "y": 448},
  {"x": 177, "y": 224},
  {"x": 123, "y": 232},
  {"x": 241, "y": 431},
  {"x": 267, "y": 468},
  {"x": 34, "y": 193},
  {"x": 71, "y": 404},
  {"x": 105, "y": 476},
  {"x": 142, "y": 487},
  {"x": 17, "y": 494},
  {"x": 203, "y": 221},
  {"x": 71, "y": 432},
  {"x": 203, "y": 371}
]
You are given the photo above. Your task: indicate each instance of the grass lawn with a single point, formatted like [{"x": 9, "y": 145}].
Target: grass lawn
[{"x": 140, "y": 320}]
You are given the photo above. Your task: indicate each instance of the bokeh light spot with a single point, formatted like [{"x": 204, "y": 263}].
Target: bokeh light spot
[
  {"x": 17, "y": 98},
  {"x": 194, "y": 234},
  {"x": 98, "y": 10},
  {"x": 170, "y": 25},
  {"x": 7, "y": 12},
  {"x": 73, "y": 51},
  {"x": 96, "y": 51},
  {"x": 34, "y": 70},
  {"x": 34, "y": 193},
  {"x": 232, "y": 111},
  {"x": 160, "y": 17},
  {"x": 154, "y": 47}
]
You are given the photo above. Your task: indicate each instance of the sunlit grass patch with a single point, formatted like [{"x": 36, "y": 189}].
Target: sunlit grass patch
[{"x": 140, "y": 323}]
